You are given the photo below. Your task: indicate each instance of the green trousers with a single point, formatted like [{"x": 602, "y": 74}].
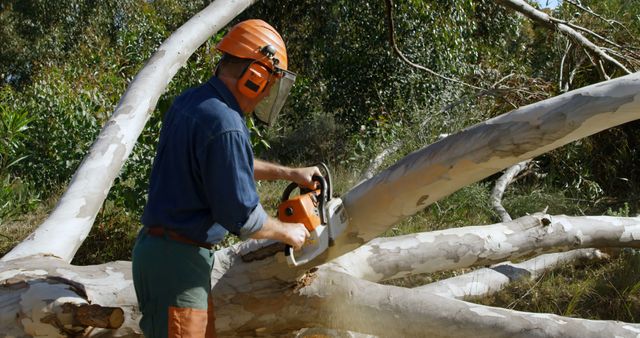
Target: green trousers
[{"x": 173, "y": 282}]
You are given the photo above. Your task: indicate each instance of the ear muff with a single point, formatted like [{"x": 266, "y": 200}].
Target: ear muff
[{"x": 253, "y": 80}]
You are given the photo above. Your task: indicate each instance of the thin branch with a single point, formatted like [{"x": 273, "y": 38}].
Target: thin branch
[
  {"x": 375, "y": 164},
  {"x": 501, "y": 186},
  {"x": 552, "y": 23},
  {"x": 392, "y": 40},
  {"x": 564, "y": 88},
  {"x": 584, "y": 30},
  {"x": 590, "y": 11}
]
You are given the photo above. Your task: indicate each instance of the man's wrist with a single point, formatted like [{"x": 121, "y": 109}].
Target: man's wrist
[{"x": 273, "y": 229}]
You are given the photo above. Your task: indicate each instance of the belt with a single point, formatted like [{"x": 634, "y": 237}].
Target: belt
[{"x": 160, "y": 232}]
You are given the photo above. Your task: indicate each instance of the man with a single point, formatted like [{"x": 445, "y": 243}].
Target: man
[{"x": 202, "y": 182}]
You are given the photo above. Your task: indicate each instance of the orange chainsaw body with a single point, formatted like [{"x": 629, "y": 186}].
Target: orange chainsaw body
[{"x": 301, "y": 209}]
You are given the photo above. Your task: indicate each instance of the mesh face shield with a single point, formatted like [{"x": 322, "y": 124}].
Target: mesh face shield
[{"x": 268, "y": 109}]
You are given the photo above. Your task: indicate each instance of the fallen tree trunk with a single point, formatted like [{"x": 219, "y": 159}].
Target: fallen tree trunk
[
  {"x": 442, "y": 168},
  {"x": 43, "y": 296},
  {"x": 250, "y": 300},
  {"x": 341, "y": 301},
  {"x": 36, "y": 288}
]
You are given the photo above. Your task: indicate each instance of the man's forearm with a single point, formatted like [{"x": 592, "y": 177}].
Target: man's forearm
[{"x": 263, "y": 170}]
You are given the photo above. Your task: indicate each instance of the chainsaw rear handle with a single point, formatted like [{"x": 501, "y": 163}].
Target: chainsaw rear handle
[
  {"x": 328, "y": 186},
  {"x": 291, "y": 258},
  {"x": 314, "y": 247}
]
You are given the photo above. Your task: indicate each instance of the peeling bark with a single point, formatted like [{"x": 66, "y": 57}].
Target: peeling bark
[
  {"x": 263, "y": 303},
  {"x": 440, "y": 169},
  {"x": 343, "y": 302}
]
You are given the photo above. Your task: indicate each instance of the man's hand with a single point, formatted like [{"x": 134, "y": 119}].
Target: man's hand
[
  {"x": 304, "y": 176},
  {"x": 294, "y": 234}
]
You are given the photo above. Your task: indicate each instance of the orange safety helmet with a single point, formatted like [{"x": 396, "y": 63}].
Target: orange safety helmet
[
  {"x": 247, "y": 39},
  {"x": 258, "y": 41}
]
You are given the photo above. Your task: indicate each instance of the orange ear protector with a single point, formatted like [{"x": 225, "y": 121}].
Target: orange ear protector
[{"x": 253, "y": 80}]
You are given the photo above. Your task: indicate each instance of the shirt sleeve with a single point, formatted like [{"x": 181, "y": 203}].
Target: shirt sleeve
[{"x": 226, "y": 168}]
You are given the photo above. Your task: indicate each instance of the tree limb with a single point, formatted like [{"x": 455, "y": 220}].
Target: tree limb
[
  {"x": 433, "y": 172},
  {"x": 341, "y": 301},
  {"x": 449, "y": 249},
  {"x": 487, "y": 281}
]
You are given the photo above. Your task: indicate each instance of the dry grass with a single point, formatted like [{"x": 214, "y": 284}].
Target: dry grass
[{"x": 17, "y": 229}]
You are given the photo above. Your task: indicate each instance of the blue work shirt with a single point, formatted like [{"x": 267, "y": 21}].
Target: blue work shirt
[{"x": 202, "y": 182}]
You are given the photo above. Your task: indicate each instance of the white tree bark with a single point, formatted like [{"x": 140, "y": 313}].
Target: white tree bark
[
  {"x": 262, "y": 296},
  {"x": 438, "y": 170},
  {"x": 355, "y": 304},
  {"x": 69, "y": 223},
  {"x": 34, "y": 291}
]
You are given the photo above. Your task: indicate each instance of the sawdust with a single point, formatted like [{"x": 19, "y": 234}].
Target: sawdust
[{"x": 305, "y": 280}]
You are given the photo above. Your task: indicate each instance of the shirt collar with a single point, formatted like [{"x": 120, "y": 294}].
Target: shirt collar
[{"x": 225, "y": 94}]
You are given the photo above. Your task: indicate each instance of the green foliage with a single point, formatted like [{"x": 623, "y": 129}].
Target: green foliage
[
  {"x": 258, "y": 141},
  {"x": 15, "y": 195},
  {"x": 349, "y": 76}
]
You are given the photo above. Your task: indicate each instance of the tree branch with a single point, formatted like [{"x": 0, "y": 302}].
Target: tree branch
[
  {"x": 344, "y": 302},
  {"x": 501, "y": 185},
  {"x": 487, "y": 281},
  {"x": 588, "y": 10}
]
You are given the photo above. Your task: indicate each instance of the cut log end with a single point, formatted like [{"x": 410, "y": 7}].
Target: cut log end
[{"x": 94, "y": 315}]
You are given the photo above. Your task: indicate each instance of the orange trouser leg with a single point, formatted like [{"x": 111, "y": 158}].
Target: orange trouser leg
[{"x": 192, "y": 323}]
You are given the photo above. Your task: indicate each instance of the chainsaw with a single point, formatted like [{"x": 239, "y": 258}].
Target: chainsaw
[{"x": 322, "y": 214}]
